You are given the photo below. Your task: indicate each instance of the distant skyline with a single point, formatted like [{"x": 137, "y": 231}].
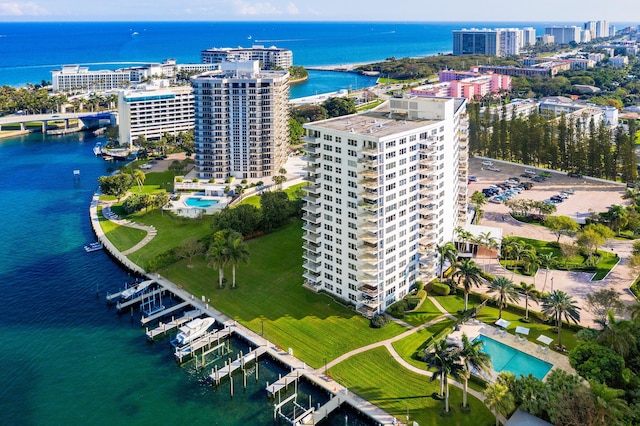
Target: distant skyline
[{"x": 569, "y": 11}]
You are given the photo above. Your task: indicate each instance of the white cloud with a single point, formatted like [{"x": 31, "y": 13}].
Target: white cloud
[
  {"x": 292, "y": 9},
  {"x": 257, "y": 9},
  {"x": 21, "y": 9}
]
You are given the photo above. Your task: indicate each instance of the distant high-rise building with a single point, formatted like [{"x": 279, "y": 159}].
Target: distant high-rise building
[
  {"x": 476, "y": 41},
  {"x": 510, "y": 41},
  {"x": 598, "y": 29},
  {"x": 564, "y": 35},
  {"x": 528, "y": 36},
  {"x": 241, "y": 121},
  {"x": 386, "y": 188},
  {"x": 270, "y": 57},
  {"x": 151, "y": 111}
]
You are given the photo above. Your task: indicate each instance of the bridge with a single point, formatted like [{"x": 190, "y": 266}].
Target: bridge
[{"x": 86, "y": 119}]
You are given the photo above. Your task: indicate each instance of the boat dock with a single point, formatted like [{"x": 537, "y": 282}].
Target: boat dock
[
  {"x": 202, "y": 343},
  {"x": 163, "y": 328},
  {"x": 164, "y": 312},
  {"x": 283, "y": 382},
  {"x": 123, "y": 305},
  {"x": 230, "y": 366}
]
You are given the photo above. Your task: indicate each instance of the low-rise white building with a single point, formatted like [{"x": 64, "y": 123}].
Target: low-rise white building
[
  {"x": 151, "y": 111},
  {"x": 385, "y": 189}
]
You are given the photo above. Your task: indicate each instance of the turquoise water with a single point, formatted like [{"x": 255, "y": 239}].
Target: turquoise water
[
  {"x": 67, "y": 358},
  {"x": 506, "y": 358},
  {"x": 199, "y": 202}
]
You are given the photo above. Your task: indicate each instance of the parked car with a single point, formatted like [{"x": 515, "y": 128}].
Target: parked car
[
  {"x": 556, "y": 198},
  {"x": 527, "y": 185},
  {"x": 487, "y": 163},
  {"x": 516, "y": 179},
  {"x": 473, "y": 179},
  {"x": 545, "y": 175},
  {"x": 530, "y": 172},
  {"x": 569, "y": 191},
  {"x": 574, "y": 175},
  {"x": 493, "y": 168},
  {"x": 538, "y": 179}
]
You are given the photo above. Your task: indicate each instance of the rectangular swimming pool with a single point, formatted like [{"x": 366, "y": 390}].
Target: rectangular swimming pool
[{"x": 506, "y": 358}]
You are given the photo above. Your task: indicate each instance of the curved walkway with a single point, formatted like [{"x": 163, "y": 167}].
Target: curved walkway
[
  {"x": 388, "y": 344},
  {"x": 576, "y": 284},
  {"x": 150, "y": 230}
]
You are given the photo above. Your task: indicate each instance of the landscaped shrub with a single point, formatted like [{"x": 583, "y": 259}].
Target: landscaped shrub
[
  {"x": 397, "y": 309},
  {"x": 440, "y": 289},
  {"x": 419, "y": 285},
  {"x": 196, "y": 180},
  {"x": 635, "y": 288},
  {"x": 179, "y": 179},
  {"x": 229, "y": 179},
  {"x": 378, "y": 321},
  {"x": 416, "y": 300},
  {"x": 212, "y": 180}
]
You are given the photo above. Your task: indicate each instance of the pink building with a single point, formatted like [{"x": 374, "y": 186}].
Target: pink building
[{"x": 469, "y": 86}]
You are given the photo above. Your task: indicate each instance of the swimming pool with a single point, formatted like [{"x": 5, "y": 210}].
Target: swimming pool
[
  {"x": 506, "y": 358},
  {"x": 199, "y": 202}
]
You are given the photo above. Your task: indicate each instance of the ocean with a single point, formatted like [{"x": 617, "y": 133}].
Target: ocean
[
  {"x": 31, "y": 50},
  {"x": 66, "y": 357}
]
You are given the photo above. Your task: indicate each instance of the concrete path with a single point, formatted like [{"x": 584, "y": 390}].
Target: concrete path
[{"x": 150, "y": 230}]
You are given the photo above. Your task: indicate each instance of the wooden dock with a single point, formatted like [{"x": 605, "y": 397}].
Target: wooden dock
[
  {"x": 163, "y": 328},
  {"x": 206, "y": 340},
  {"x": 164, "y": 312},
  {"x": 231, "y": 366},
  {"x": 123, "y": 305},
  {"x": 283, "y": 382}
]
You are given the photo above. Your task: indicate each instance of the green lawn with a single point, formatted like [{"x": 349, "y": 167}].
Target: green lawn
[
  {"x": 411, "y": 348},
  {"x": 489, "y": 314},
  {"x": 577, "y": 262},
  {"x": 122, "y": 237},
  {"x": 269, "y": 293},
  {"x": 254, "y": 200},
  {"x": 425, "y": 313},
  {"x": 376, "y": 377}
]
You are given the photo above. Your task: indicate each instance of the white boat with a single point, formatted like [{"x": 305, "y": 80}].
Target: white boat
[
  {"x": 192, "y": 330},
  {"x": 97, "y": 149},
  {"x": 136, "y": 290},
  {"x": 93, "y": 247}
]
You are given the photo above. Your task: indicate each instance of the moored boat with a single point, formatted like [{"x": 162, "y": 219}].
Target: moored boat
[
  {"x": 136, "y": 290},
  {"x": 192, "y": 330},
  {"x": 93, "y": 247},
  {"x": 97, "y": 149}
]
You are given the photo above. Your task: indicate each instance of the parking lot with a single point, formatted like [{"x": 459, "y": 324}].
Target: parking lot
[{"x": 590, "y": 195}]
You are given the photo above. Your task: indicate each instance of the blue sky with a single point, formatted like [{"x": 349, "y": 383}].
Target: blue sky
[{"x": 318, "y": 10}]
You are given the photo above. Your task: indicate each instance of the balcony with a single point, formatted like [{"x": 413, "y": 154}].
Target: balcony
[
  {"x": 369, "y": 207},
  {"x": 368, "y": 226},
  {"x": 370, "y": 151},
  {"x": 427, "y": 205},
  {"x": 312, "y": 257},
  {"x": 312, "y": 178},
  {"x": 311, "y": 198},
  {"x": 369, "y": 196},
  {"x": 369, "y": 183},
  {"x": 428, "y": 178},
  {"x": 311, "y": 236},
  {"x": 312, "y": 267},
  {"x": 428, "y": 260},
  {"x": 370, "y": 289},
  {"x": 369, "y": 173},
  {"x": 312, "y": 189},
  {"x": 429, "y": 219},
  {"x": 312, "y": 278},
  {"x": 311, "y": 246},
  {"x": 427, "y": 160},
  {"x": 370, "y": 163},
  {"x": 311, "y": 167},
  {"x": 311, "y": 218},
  {"x": 312, "y": 208},
  {"x": 369, "y": 238},
  {"x": 369, "y": 248},
  {"x": 371, "y": 302},
  {"x": 368, "y": 269},
  {"x": 366, "y": 311},
  {"x": 311, "y": 227}
]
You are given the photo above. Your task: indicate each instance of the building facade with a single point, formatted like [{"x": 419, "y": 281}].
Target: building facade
[
  {"x": 151, "y": 111},
  {"x": 74, "y": 78},
  {"x": 565, "y": 34},
  {"x": 385, "y": 189},
  {"x": 242, "y": 121},
  {"x": 270, "y": 57},
  {"x": 476, "y": 41}
]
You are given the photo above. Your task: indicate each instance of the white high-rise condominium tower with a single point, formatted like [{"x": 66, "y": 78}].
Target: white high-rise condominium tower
[
  {"x": 241, "y": 121},
  {"x": 385, "y": 188}
]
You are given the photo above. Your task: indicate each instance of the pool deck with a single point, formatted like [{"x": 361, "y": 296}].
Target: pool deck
[{"x": 474, "y": 328}]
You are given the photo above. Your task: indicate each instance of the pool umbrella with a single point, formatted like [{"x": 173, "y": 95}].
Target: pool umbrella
[
  {"x": 503, "y": 323},
  {"x": 522, "y": 330},
  {"x": 544, "y": 339}
]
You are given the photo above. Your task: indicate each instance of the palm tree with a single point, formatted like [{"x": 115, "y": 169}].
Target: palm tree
[
  {"x": 610, "y": 404},
  {"x": 464, "y": 237},
  {"x": 546, "y": 260},
  {"x": 237, "y": 252},
  {"x": 473, "y": 359},
  {"x": 498, "y": 398},
  {"x": 446, "y": 361},
  {"x": 446, "y": 252},
  {"x": 616, "y": 335},
  {"x": 467, "y": 273},
  {"x": 217, "y": 255},
  {"x": 485, "y": 239},
  {"x": 518, "y": 250},
  {"x": 530, "y": 292},
  {"x": 560, "y": 305},
  {"x": 505, "y": 291}
]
